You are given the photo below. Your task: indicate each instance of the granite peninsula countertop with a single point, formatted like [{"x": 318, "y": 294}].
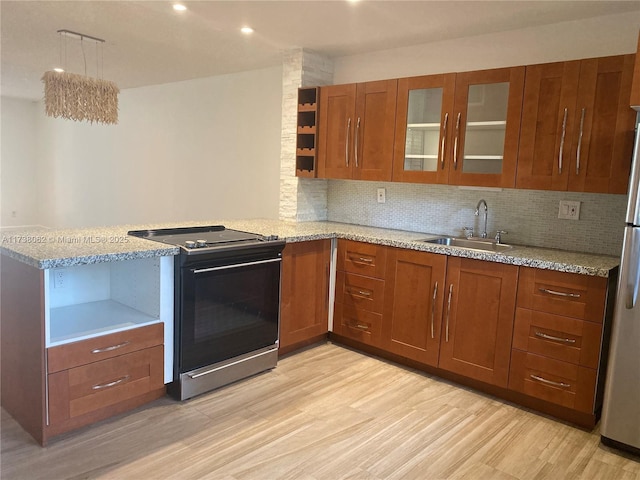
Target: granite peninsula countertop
[{"x": 50, "y": 248}]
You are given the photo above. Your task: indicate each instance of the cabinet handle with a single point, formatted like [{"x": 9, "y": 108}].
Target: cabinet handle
[
  {"x": 555, "y": 339},
  {"x": 433, "y": 307},
  {"x": 355, "y": 150},
  {"x": 559, "y": 294},
  {"x": 455, "y": 142},
  {"x": 362, "y": 259},
  {"x": 549, "y": 382},
  {"x": 111, "y": 348},
  {"x": 359, "y": 292},
  {"x": 327, "y": 271},
  {"x": 580, "y": 142},
  {"x": 346, "y": 143},
  {"x": 448, "y": 312},
  {"x": 444, "y": 137},
  {"x": 110, "y": 384},
  {"x": 361, "y": 326},
  {"x": 564, "y": 131}
]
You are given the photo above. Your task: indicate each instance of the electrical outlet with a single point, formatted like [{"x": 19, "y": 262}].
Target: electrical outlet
[
  {"x": 382, "y": 195},
  {"x": 59, "y": 278},
  {"x": 569, "y": 210}
]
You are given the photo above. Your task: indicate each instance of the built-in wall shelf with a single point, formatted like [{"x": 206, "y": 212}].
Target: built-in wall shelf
[{"x": 306, "y": 133}]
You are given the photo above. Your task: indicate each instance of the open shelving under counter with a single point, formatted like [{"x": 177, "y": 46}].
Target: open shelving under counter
[{"x": 87, "y": 301}]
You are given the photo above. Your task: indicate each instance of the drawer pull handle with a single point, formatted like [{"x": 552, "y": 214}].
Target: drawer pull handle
[
  {"x": 365, "y": 260},
  {"x": 559, "y": 294},
  {"x": 361, "y": 326},
  {"x": 555, "y": 339},
  {"x": 549, "y": 382},
  {"x": 360, "y": 292},
  {"x": 111, "y": 384},
  {"x": 111, "y": 348}
]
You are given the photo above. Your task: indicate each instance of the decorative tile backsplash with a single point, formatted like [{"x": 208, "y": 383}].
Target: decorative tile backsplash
[{"x": 530, "y": 216}]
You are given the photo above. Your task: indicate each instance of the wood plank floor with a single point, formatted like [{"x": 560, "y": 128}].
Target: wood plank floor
[{"x": 325, "y": 413}]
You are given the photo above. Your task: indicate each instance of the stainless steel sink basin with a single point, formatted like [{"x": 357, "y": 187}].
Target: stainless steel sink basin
[{"x": 471, "y": 243}]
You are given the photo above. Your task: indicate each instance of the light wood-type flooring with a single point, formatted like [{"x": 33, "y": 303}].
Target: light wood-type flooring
[{"x": 325, "y": 413}]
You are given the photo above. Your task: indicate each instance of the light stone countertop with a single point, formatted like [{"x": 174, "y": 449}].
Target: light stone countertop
[{"x": 47, "y": 248}]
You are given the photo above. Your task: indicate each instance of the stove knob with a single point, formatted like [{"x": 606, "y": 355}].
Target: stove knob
[
  {"x": 270, "y": 238},
  {"x": 190, "y": 244},
  {"x": 201, "y": 243}
]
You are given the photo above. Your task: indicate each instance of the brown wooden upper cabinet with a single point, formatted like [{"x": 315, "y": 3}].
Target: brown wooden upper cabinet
[
  {"x": 460, "y": 129},
  {"x": 357, "y": 126},
  {"x": 577, "y": 127},
  {"x": 635, "y": 87}
]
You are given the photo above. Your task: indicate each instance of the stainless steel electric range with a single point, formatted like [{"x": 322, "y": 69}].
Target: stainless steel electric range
[{"x": 227, "y": 305}]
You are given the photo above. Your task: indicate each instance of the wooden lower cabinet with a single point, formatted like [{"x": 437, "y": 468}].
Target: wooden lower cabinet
[
  {"x": 559, "y": 338},
  {"x": 478, "y": 319},
  {"x": 305, "y": 293},
  {"x": 563, "y": 383},
  {"x": 535, "y": 337},
  {"x": 415, "y": 284},
  {"x": 92, "y": 392},
  {"x": 360, "y": 292},
  {"x": 94, "y": 379}
]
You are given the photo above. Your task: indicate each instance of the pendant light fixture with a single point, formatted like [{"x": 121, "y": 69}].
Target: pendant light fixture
[{"x": 80, "y": 97}]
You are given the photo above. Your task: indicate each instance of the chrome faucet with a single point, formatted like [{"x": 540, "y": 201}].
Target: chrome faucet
[{"x": 486, "y": 214}]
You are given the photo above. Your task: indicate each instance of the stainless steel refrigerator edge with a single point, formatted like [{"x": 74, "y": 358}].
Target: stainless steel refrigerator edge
[{"x": 621, "y": 409}]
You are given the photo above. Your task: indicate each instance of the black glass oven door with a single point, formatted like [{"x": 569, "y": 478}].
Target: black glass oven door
[{"x": 228, "y": 311}]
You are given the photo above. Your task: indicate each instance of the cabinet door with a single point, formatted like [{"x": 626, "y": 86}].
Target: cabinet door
[
  {"x": 603, "y": 143},
  {"x": 547, "y": 125},
  {"x": 374, "y": 130},
  {"x": 635, "y": 87},
  {"x": 487, "y": 110},
  {"x": 478, "y": 319},
  {"x": 305, "y": 291},
  {"x": 413, "y": 304},
  {"x": 423, "y": 129},
  {"x": 337, "y": 119}
]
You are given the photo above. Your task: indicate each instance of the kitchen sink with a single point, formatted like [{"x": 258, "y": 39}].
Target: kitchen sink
[{"x": 471, "y": 243}]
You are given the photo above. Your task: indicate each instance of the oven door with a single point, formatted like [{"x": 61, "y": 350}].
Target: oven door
[{"x": 228, "y": 310}]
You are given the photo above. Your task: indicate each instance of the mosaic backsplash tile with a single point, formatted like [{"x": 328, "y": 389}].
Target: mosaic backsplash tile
[{"x": 530, "y": 216}]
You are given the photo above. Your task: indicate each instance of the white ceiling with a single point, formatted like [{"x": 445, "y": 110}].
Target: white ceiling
[{"x": 148, "y": 43}]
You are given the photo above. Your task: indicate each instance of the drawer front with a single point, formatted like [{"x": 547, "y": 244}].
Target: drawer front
[
  {"x": 567, "y": 294},
  {"x": 356, "y": 291},
  {"x": 95, "y": 349},
  {"x": 563, "y": 338},
  {"x": 357, "y": 324},
  {"x": 361, "y": 258},
  {"x": 88, "y": 389},
  {"x": 562, "y": 383}
]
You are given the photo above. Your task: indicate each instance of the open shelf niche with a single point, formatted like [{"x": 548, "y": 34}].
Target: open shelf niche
[{"x": 307, "y": 133}]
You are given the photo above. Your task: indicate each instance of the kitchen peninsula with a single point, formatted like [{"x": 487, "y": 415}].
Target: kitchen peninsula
[{"x": 124, "y": 285}]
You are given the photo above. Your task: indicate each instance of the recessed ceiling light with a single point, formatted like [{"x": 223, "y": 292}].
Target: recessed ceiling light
[
  {"x": 178, "y": 7},
  {"x": 246, "y": 30}
]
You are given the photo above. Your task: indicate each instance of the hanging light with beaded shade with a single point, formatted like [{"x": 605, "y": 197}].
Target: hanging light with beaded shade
[{"x": 80, "y": 97}]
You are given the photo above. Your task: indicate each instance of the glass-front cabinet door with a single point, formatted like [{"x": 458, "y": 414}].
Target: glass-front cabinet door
[
  {"x": 423, "y": 129},
  {"x": 486, "y": 127}
]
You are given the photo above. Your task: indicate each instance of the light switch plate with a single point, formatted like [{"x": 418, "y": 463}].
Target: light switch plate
[
  {"x": 382, "y": 195},
  {"x": 569, "y": 210}
]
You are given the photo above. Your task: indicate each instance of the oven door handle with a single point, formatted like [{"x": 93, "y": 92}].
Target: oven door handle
[{"x": 236, "y": 265}]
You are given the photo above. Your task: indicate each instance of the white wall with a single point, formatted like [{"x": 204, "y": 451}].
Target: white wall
[
  {"x": 593, "y": 37},
  {"x": 202, "y": 149},
  {"x": 19, "y": 203}
]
